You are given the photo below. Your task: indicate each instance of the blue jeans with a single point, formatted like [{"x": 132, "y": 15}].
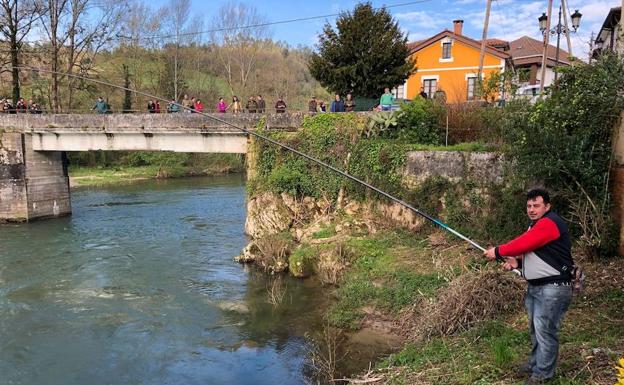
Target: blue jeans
[{"x": 545, "y": 306}]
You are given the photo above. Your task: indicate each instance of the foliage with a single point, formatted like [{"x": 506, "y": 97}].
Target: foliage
[
  {"x": 365, "y": 53},
  {"x": 474, "y": 121},
  {"x": 620, "y": 373},
  {"x": 382, "y": 123},
  {"x": 565, "y": 142},
  {"x": 490, "y": 88},
  {"x": 375, "y": 281},
  {"x": 300, "y": 262},
  {"x": 420, "y": 122},
  {"x": 337, "y": 140}
]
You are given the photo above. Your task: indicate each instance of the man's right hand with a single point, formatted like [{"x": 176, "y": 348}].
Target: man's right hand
[{"x": 490, "y": 254}]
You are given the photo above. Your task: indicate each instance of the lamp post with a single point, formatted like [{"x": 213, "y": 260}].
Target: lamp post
[{"x": 558, "y": 29}]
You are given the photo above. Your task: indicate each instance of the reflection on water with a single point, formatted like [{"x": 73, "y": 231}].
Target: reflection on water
[{"x": 139, "y": 286}]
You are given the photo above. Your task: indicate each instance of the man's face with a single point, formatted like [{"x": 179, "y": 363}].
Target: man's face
[{"x": 536, "y": 208}]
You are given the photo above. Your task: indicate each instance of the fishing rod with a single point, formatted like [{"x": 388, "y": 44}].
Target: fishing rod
[{"x": 279, "y": 144}]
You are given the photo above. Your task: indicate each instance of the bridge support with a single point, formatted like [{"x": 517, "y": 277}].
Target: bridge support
[{"x": 33, "y": 184}]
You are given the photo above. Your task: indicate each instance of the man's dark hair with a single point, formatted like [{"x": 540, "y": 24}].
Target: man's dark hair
[{"x": 538, "y": 192}]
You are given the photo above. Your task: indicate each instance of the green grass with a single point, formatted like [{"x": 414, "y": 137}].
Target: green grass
[
  {"x": 378, "y": 278},
  {"x": 324, "y": 233},
  {"x": 490, "y": 352},
  {"x": 95, "y": 176}
]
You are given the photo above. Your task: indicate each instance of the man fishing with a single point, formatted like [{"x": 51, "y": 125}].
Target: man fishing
[{"x": 544, "y": 254}]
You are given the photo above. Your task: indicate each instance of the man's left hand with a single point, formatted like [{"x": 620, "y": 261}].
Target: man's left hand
[{"x": 490, "y": 254}]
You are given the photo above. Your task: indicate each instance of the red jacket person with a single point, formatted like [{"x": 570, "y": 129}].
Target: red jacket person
[{"x": 544, "y": 254}]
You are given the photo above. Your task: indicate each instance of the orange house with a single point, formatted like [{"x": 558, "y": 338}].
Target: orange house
[{"x": 449, "y": 62}]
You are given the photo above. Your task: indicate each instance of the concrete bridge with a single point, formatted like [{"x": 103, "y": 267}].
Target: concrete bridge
[{"x": 33, "y": 165}]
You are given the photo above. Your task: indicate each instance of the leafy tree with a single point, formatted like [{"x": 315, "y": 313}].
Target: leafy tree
[
  {"x": 365, "y": 53},
  {"x": 565, "y": 142}
]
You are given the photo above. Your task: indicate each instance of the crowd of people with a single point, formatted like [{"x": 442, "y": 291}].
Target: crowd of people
[
  {"x": 194, "y": 105},
  {"x": 21, "y": 107},
  {"x": 337, "y": 105}
]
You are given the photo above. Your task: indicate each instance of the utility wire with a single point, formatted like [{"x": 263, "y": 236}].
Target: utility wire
[
  {"x": 281, "y": 145},
  {"x": 259, "y": 24}
]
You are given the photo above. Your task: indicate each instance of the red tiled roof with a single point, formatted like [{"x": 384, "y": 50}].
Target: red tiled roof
[{"x": 527, "y": 50}]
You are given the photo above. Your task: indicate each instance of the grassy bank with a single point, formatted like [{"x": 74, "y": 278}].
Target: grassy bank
[
  {"x": 118, "y": 173},
  {"x": 393, "y": 276}
]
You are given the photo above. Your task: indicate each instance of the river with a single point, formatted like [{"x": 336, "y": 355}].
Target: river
[{"x": 139, "y": 286}]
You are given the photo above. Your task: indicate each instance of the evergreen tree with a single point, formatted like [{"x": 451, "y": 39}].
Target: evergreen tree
[{"x": 365, "y": 53}]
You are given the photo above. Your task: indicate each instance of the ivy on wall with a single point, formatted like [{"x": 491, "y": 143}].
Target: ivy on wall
[{"x": 339, "y": 140}]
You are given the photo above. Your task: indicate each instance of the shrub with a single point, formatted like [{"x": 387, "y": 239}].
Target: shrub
[
  {"x": 420, "y": 122},
  {"x": 565, "y": 142}
]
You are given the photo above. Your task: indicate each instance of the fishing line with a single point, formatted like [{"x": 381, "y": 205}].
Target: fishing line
[{"x": 286, "y": 147}]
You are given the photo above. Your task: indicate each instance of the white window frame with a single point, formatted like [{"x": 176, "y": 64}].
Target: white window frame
[
  {"x": 430, "y": 95},
  {"x": 474, "y": 90},
  {"x": 446, "y": 40}
]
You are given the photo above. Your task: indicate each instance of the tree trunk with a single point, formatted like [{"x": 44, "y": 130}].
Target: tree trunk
[{"x": 15, "y": 71}]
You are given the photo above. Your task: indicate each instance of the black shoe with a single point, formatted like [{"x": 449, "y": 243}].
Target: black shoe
[
  {"x": 524, "y": 370},
  {"x": 536, "y": 381}
]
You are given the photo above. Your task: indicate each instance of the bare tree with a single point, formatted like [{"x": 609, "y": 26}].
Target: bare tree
[
  {"x": 77, "y": 30},
  {"x": 240, "y": 37},
  {"x": 138, "y": 24},
  {"x": 54, "y": 15},
  {"x": 16, "y": 20},
  {"x": 177, "y": 30}
]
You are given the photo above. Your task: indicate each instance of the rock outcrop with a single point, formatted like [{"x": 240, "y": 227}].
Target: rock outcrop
[{"x": 267, "y": 214}]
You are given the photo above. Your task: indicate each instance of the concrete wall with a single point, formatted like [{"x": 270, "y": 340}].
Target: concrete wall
[
  {"x": 33, "y": 184},
  {"x": 173, "y": 140},
  {"x": 117, "y": 123},
  {"x": 13, "y": 203},
  {"x": 484, "y": 167}
]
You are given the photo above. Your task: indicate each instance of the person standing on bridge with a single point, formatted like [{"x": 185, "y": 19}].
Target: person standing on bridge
[
  {"x": 100, "y": 106},
  {"x": 260, "y": 104},
  {"x": 251, "y": 105},
  {"x": 222, "y": 106},
  {"x": 280, "y": 106},
  {"x": 349, "y": 103},
  {"x": 337, "y": 105},
  {"x": 173, "y": 107},
  {"x": 544, "y": 254},
  {"x": 186, "y": 103},
  {"x": 236, "y": 105},
  {"x": 199, "y": 106},
  {"x": 386, "y": 100}
]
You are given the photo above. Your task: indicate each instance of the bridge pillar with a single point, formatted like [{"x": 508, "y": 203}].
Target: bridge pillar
[{"x": 33, "y": 184}]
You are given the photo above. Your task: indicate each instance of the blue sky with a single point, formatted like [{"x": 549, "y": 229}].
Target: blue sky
[{"x": 509, "y": 19}]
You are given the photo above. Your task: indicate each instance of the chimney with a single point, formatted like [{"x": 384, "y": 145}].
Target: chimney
[{"x": 457, "y": 26}]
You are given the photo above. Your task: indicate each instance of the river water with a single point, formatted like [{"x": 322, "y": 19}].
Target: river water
[{"x": 139, "y": 286}]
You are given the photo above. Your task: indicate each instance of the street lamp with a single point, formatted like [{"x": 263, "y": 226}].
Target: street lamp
[{"x": 558, "y": 29}]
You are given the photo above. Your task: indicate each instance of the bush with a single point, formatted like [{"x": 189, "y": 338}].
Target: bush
[
  {"x": 420, "y": 122},
  {"x": 565, "y": 142}
]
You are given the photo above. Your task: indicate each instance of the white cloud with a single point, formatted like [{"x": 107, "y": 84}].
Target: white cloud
[{"x": 511, "y": 19}]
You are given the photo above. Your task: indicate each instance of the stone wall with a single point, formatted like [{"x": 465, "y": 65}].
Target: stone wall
[
  {"x": 271, "y": 213},
  {"x": 153, "y": 122},
  {"x": 33, "y": 184},
  {"x": 483, "y": 167}
]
